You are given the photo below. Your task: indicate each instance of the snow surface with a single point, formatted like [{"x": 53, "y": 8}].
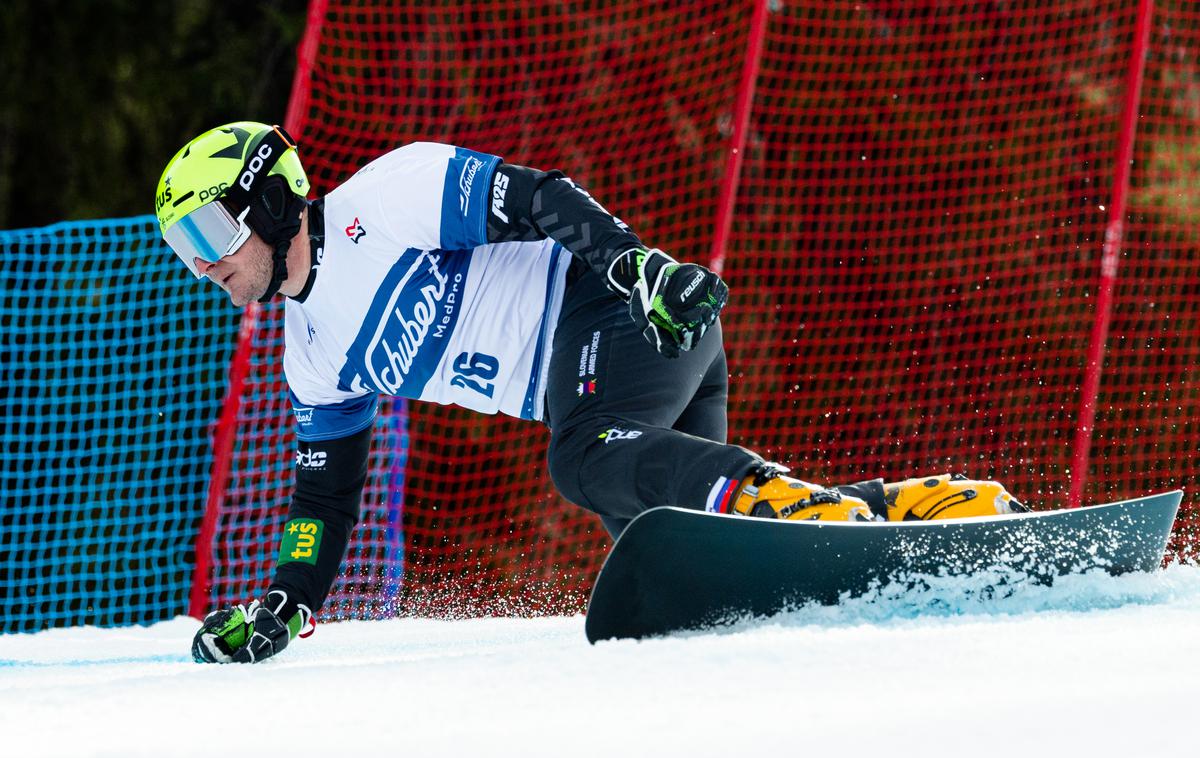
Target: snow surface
[{"x": 1093, "y": 666}]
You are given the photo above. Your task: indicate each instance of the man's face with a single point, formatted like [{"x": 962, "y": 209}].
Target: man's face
[{"x": 245, "y": 275}]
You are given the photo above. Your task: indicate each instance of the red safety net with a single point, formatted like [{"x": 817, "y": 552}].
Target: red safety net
[
  {"x": 919, "y": 214},
  {"x": 1147, "y": 433}
]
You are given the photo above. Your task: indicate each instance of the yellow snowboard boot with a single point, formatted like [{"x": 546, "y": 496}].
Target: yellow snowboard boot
[
  {"x": 947, "y": 496},
  {"x": 769, "y": 494}
]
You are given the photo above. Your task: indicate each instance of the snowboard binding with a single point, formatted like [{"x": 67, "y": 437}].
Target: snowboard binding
[
  {"x": 947, "y": 496},
  {"x": 767, "y": 493}
]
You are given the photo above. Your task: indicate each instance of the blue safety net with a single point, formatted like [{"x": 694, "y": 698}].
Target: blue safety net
[{"x": 114, "y": 368}]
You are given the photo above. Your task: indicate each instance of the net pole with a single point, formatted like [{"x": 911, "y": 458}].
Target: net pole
[
  {"x": 306, "y": 57},
  {"x": 727, "y": 198},
  {"x": 223, "y": 437},
  {"x": 239, "y": 368},
  {"x": 1114, "y": 232}
]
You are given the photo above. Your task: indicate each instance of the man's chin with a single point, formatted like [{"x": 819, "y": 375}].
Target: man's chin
[{"x": 241, "y": 300}]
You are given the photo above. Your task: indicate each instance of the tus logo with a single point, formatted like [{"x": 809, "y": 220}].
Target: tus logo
[
  {"x": 619, "y": 434},
  {"x": 355, "y": 231},
  {"x": 301, "y": 541}
]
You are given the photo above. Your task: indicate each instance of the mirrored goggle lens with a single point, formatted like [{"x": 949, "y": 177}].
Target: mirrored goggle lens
[{"x": 208, "y": 233}]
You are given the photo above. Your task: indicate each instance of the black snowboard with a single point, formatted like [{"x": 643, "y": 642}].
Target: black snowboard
[{"x": 675, "y": 569}]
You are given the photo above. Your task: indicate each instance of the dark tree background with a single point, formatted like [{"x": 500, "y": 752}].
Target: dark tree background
[{"x": 95, "y": 97}]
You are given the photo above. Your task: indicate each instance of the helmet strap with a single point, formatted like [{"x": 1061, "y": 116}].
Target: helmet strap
[
  {"x": 279, "y": 271},
  {"x": 255, "y": 175},
  {"x": 275, "y": 214}
]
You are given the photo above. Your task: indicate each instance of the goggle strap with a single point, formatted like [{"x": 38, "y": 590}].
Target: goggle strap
[{"x": 249, "y": 181}]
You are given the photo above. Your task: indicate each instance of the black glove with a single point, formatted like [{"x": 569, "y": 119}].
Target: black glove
[
  {"x": 674, "y": 303},
  {"x": 249, "y": 635}
]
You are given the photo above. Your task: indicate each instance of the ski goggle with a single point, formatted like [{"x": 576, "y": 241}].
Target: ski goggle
[{"x": 209, "y": 233}]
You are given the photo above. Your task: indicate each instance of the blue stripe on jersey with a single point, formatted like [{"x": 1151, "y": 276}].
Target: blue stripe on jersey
[
  {"x": 465, "y": 199},
  {"x": 409, "y": 323},
  {"x": 331, "y": 422},
  {"x": 535, "y": 375}
]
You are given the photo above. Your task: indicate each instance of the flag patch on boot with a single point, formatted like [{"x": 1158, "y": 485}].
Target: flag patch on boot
[{"x": 720, "y": 497}]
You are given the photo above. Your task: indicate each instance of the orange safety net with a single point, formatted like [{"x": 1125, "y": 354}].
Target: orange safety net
[{"x": 914, "y": 254}]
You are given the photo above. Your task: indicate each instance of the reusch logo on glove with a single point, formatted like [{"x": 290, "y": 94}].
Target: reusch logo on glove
[
  {"x": 301, "y": 541},
  {"x": 692, "y": 286}
]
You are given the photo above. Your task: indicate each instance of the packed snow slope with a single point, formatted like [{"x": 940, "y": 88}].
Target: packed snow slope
[{"x": 1093, "y": 666}]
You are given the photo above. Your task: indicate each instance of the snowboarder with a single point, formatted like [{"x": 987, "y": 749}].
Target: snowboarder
[{"x": 443, "y": 274}]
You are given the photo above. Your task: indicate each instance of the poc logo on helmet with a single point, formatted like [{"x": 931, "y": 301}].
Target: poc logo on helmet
[
  {"x": 246, "y": 180},
  {"x": 212, "y": 192},
  {"x": 310, "y": 459}
]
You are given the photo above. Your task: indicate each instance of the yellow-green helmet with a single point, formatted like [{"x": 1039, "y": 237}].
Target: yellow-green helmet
[
  {"x": 205, "y": 168},
  {"x": 253, "y": 169}
]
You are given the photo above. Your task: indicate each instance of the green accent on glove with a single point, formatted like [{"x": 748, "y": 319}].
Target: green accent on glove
[
  {"x": 294, "y": 625},
  {"x": 235, "y": 630},
  {"x": 659, "y": 313},
  {"x": 641, "y": 256},
  {"x": 301, "y": 541},
  {"x": 221, "y": 635},
  {"x": 662, "y": 317}
]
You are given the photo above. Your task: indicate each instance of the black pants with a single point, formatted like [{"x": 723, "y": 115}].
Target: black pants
[{"x": 630, "y": 429}]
